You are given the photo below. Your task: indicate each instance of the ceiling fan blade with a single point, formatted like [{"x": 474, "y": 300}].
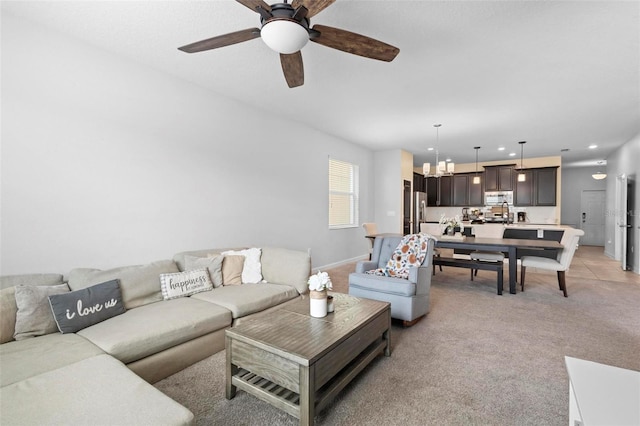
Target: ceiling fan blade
[
  {"x": 314, "y": 6},
  {"x": 255, "y": 4},
  {"x": 292, "y": 68},
  {"x": 354, "y": 43},
  {"x": 222, "y": 40}
]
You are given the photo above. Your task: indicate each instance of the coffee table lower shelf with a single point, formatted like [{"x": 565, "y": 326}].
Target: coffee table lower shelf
[{"x": 288, "y": 400}]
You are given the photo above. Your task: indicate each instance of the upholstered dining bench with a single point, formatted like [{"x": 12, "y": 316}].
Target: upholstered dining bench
[{"x": 473, "y": 264}]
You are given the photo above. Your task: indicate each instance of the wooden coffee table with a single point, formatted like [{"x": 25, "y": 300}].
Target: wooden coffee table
[{"x": 298, "y": 363}]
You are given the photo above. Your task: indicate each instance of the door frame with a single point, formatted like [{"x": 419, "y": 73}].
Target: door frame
[{"x": 620, "y": 223}]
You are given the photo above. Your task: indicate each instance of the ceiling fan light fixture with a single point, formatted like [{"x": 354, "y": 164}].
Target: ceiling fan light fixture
[{"x": 284, "y": 35}]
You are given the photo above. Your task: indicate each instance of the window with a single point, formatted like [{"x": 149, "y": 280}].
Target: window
[{"x": 343, "y": 194}]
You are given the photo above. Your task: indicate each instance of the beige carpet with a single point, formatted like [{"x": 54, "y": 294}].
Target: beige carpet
[{"x": 476, "y": 359}]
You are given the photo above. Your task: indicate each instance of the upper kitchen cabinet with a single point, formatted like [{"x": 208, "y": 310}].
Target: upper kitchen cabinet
[
  {"x": 419, "y": 182},
  {"x": 544, "y": 186},
  {"x": 538, "y": 189},
  {"x": 498, "y": 178},
  {"x": 476, "y": 191},
  {"x": 440, "y": 191},
  {"x": 460, "y": 190},
  {"x": 465, "y": 192}
]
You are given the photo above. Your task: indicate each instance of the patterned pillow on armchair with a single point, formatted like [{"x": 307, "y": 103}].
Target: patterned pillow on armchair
[{"x": 410, "y": 253}]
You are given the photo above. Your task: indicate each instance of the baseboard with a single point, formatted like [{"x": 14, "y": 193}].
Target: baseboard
[{"x": 340, "y": 263}]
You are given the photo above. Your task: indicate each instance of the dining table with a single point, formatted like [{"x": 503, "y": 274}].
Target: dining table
[{"x": 504, "y": 245}]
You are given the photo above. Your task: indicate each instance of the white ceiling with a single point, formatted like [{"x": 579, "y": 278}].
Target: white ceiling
[{"x": 558, "y": 74}]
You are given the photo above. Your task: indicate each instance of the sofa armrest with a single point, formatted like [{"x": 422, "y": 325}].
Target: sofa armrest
[{"x": 365, "y": 265}]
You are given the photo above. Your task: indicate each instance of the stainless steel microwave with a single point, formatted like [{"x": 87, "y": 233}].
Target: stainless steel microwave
[{"x": 496, "y": 198}]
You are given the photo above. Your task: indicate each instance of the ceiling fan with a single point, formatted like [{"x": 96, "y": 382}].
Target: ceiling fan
[{"x": 285, "y": 28}]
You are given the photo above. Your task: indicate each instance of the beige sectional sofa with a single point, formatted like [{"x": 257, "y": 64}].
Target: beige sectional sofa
[{"x": 101, "y": 374}]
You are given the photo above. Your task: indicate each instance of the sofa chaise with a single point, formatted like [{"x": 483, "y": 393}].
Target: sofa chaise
[{"x": 102, "y": 374}]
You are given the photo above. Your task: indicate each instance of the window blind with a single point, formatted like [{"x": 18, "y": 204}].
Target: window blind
[{"x": 343, "y": 194}]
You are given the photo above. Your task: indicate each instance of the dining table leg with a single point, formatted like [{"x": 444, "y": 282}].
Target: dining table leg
[{"x": 513, "y": 270}]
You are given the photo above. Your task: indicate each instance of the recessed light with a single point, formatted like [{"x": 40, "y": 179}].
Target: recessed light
[
  {"x": 430, "y": 149},
  {"x": 512, "y": 154},
  {"x": 501, "y": 148},
  {"x": 593, "y": 146},
  {"x": 448, "y": 160}
]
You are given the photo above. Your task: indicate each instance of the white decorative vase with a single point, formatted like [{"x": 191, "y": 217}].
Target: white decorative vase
[{"x": 318, "y": 303}]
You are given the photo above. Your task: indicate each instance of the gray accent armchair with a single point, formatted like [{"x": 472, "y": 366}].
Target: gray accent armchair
[{"x": 409, "y": 298}]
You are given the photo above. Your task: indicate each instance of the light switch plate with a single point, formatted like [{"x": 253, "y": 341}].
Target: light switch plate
[{"x": 540, "y": 233}]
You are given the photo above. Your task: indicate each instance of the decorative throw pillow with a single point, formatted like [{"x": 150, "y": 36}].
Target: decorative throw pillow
[
  {"x": 79, "y": 309},
  {"x": 34, "y": 317},
  {"x": 8, "y": 310},
  {"x": 185, "y": 283},
  {"x": 213, "y": 263},
  {"x": 410, "y": 253},
  {"x": 232, "y": 270},
  {"x": 252, "y": 269}
]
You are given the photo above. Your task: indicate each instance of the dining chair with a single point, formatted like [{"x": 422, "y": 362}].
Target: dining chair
[
  {"x": 569, "y": 242},
  {"x": 482, "y": 231},
  {"x": 370, "y": 228}
]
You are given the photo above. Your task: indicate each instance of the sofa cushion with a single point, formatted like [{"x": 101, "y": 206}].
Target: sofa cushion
[
  {"x": 248, "y": 298},
  {"x": 382, "y": 284},
  {"x": 8, "y": 310},
  {"x": 140, "y": 284},
  {"x": 97, "y": 390},
  {"x": 26, "y": 358},
  {"x": 34, "y": 316},
  {"x": 179, "y": 258},
  {"x": 79, "y": 309},
  {"x": 152, "y": 328},
  {"x": 181, "y": 284},
  {"x": 251, "y": 269},
  {"x": 283, "y": 266},
  {"x": 8, "y": 307},
  {"x": 7, "y": 281},
  {"x": 213, "y": 264},
  {"x": 232, "y": 269}
]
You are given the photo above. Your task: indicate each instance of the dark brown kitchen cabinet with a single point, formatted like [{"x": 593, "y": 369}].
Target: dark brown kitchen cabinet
[
  {"x": 419, "y": 183},
  {"x": 432, "y": 191},
  {"x": 439, "y": 191},
  {"x": 523, "y": 194},
  {"x": 446, "y": 190},
  {"x": 460, "y": 190},
  {"x": 545, "y": 184},
  {"x": 498, "y": 178},
  {"x": 538, "y": 189},
  {"x": 476, "y": 191}
]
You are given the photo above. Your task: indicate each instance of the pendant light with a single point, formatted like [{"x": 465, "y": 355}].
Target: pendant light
[
  {"x": 521, "y": 176},
  {"x": 440, "y": 166},
  {"x": 476, "y": 178}
]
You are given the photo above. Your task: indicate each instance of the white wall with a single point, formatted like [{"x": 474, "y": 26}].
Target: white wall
[
  {"x": 388, "y": 190},
  {"x": 106, "y": 162},
  {"x": 624, "y": 160},
  {"x": 574, "y": 181}
]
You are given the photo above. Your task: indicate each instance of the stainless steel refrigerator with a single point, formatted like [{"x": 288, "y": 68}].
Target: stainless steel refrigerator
[{"x": 419, "y": 210}]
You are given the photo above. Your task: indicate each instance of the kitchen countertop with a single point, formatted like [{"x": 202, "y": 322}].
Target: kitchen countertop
[{"x": 518, "y": 225}]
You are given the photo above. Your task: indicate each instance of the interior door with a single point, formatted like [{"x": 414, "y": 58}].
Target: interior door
[
  {"x": 592, "y": 217},
  {"x": 631, "y": 223},
  {"x": 406, "y": 224},
  {"x": 621, "y": 221}
]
